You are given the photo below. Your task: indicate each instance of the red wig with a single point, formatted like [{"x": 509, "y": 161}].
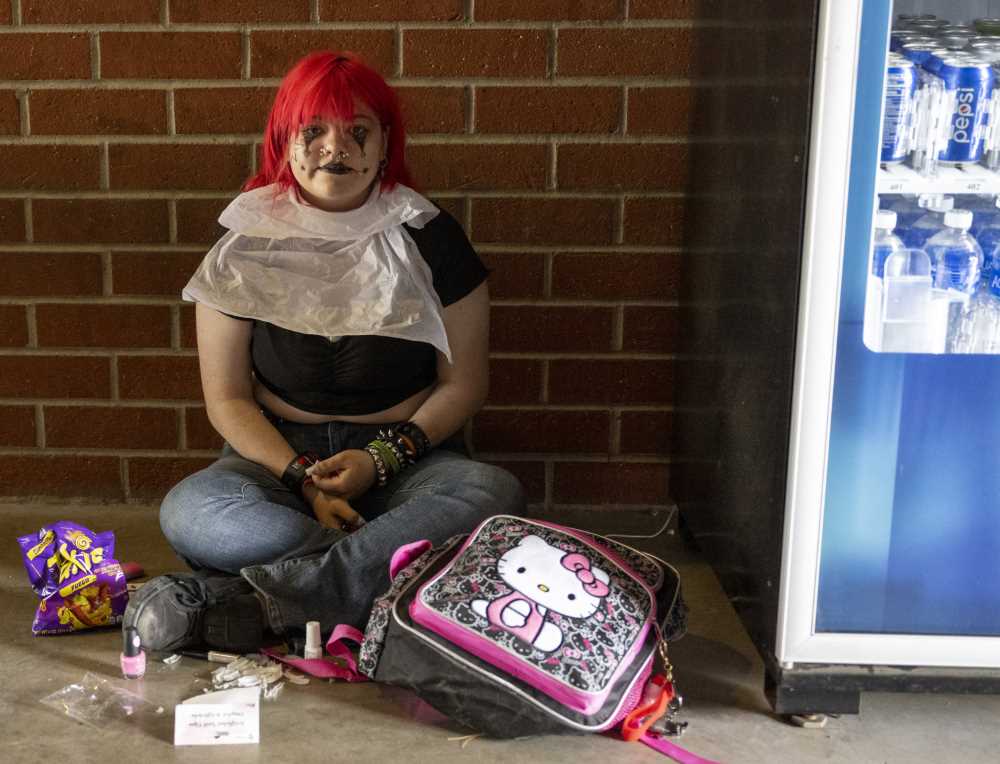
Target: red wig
[{"x": 326, "y": 84}]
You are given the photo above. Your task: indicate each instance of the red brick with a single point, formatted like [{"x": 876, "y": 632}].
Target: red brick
[
  {"x": 451, "y": 167},
  {"x": 51, "y": 168},
  {"x": 47, "y": 376},
  {"x": 123, "y": 326},
  {"x": 241, "y": 11},
  {"x": 680, "y": 434},
  {"x": 531, "y": 475},
  {"x": 669, "y": 9},
  {"x": 98, "y": 112},
  {"x": 646, "y": 432},
  {"x": 45, "y": 56},
  {"x": 475, "y": 52},
  {"x": 654, "y": 221},
  {"x": 198, "y": 220},
  {"x": 616, "y": 276},
  {"x": 433, "y": 110},
  {"x": 222, "y": 110},
  {"x": 547, "y": 10},
  {"x": 91, "y": 221},
  {"x": 515, "y": 275},
  {"x": 567, "y": 330},
  {"x": 547, "y": 110},
  {"x": 273, "y": 53},
  {"x": 189, "y": 327},
  {"x": 643, "y": 166},
  {"x": 611, "y": 382},
  {"x": 159, "y": 377},
  {"x": 76, "y": 475},
  {"x": 200, "y": 432},
  {"x": 542, "y": 431},
  {"x": 650, "y": 329},
  {"x": 634, "y": 52},
  {"x": 171, "y": 55},
  {"x": 10, "y": 113},
  {"x": 91, "y": 12},
  {"x": 110, "y": 427},
  {"x": 13, "y": 326},
  {"x": 614, "y": 483},
  {"x": 664, "y": 111},
  {"x": 513, "y": 380},
  {"x": 454, "y": 206},
  {"x": 150, "y": 478},
  {"x": 17, "y": 426},
  {"x": 201, "y": 167},
  {"x": 29, "y": 274},
  {"x": 544, "y": 221},
  {"x": 153, "y": 273},
  {"x": 11, "y": 220},
  {"x": 392, "y": 10}
]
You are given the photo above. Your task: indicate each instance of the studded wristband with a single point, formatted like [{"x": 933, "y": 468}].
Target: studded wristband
[{"x": 294, "y": 476}]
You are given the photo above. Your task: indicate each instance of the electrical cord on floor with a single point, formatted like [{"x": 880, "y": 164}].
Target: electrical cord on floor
[{"x": 666, "y": 524}]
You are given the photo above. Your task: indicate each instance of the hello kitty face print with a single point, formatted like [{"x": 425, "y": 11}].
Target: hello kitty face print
[{"x": 544, "y": 578}]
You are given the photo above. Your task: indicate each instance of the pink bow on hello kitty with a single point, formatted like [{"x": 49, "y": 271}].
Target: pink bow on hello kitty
[{"x": 581, "y": 566}]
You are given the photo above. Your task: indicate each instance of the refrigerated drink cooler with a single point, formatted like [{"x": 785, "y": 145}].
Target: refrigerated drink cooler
[{"x": 853, "y": 512}]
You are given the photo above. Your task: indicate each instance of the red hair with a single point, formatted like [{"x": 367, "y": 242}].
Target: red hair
[{"x": 326, "y": 84}]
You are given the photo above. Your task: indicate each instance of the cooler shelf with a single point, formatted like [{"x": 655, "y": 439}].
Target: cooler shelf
[{"x": 974, "y": 179}]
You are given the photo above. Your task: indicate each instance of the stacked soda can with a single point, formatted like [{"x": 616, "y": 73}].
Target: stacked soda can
[{"x": 940, "y": 93}]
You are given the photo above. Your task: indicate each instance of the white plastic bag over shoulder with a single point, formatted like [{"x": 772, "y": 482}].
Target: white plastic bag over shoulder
[{"x": 326, "y": 273}]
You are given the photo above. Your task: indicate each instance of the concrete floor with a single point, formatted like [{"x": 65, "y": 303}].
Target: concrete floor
[{"x": 718, "y": 671}]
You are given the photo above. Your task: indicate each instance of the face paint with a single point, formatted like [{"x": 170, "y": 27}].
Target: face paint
[
  {"x": 360, "y": 135},
  {"x": 330, "y": 174}
]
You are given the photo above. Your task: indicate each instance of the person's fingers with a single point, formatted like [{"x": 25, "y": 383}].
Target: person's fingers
[
  {"x": 326, "y": 467},
  {"x": 347, "y": 515}
]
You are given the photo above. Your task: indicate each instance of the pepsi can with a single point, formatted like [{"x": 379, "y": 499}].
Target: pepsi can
[
  {"x": 900, "y": 102},
  {"x": 918, "y": 49},
  {"x": 971, "y": 79}
]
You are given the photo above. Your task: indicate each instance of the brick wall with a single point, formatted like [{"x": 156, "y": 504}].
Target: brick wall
[{"x": 557, "y": 131}]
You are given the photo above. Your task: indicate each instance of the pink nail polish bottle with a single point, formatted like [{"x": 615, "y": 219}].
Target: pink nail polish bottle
[{"x": 133, "y": 657}]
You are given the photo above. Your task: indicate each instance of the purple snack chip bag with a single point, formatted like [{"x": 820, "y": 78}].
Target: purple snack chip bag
[{"x": 74, "y": 573}]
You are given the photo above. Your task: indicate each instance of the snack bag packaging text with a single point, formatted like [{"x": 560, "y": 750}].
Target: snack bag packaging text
[{"x": 75, "y": 575}]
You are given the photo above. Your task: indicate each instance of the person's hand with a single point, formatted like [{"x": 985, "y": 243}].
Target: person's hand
[
  {"x": 332, "y": 511},
  {"x": 348, "y": 474}
]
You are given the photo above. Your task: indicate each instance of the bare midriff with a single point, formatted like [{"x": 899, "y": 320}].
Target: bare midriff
[{"x": 398, "y": 413}]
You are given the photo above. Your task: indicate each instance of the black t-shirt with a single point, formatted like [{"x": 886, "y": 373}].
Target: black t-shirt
[{"x": 364, "y": 374}]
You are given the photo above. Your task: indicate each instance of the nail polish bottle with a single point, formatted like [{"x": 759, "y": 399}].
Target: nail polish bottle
[
  {"x": 313, "y": 648},
  {"x": 133, "y": 657}
]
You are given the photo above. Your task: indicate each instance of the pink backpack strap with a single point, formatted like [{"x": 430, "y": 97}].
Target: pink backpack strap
[
  {"x": 675, "y": 752},
  {"x": 323, "y": 668},
  {"x": 406, "y": 554}
]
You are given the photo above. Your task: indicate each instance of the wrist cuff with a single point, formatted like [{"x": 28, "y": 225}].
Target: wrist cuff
[{"x": 294, "y": 475}]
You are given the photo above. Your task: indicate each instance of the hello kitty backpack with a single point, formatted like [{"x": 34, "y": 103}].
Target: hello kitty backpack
[{"x": 526, "y": 627}]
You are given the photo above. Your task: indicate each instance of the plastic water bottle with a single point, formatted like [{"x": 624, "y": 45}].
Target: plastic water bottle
[
  {"x": 988, "y": 234},
  {"x": 956, "y": 261},
  {"x": 980, "y": 330},
  {"x": 984, "y": 210},
  {"x": 885, "y": 244},
  {"x": 908, "y": 210},
  {"x": 906, "y": 303},
  {"x": 930, "y": 223}
]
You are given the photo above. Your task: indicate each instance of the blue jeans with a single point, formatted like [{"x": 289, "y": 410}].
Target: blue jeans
[{"x": 237, "y": 517}]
